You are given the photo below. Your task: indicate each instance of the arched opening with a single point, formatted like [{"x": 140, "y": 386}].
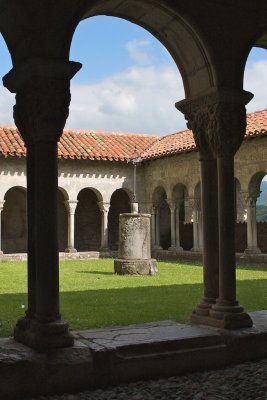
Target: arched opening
[
  {"x": 119, "y": 204},
  {"x": 14, "y": 221},
  {"x": 162, "y": 218},
  {"x": 87, "y": 222},
  {"x": 240, "y": 216},
  {"x": 62, "y": 221},
  {"x": 184, "y": 230},
  {"x": 261, "y": 215}
]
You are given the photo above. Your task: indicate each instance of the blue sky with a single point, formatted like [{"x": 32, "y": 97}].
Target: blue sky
[{"x": 128, "y": 81}]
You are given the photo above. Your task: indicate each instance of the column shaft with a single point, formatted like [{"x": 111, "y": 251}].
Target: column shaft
[
  {"x": 47, "y": 272},
  {"x": 173, "y": 230},
  {"x": 153, "y": 228},
  {"x": 71, "y": 207},
  {"x": 252, "y": 239},
  {"x": 1, "y": 209},
  {"x": 31, "y": 210}
]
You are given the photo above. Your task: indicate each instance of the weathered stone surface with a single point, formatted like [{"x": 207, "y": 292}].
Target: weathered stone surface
[
  {"x": 134, "y": 254},
  {"x": 135, "y": 267}
]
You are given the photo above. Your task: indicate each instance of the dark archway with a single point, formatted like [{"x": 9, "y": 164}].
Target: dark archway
[
  {"x": 62, "y": 221},
  {"x": 87, "y": 222},
  {"x": 14, "y": 221},
  {"x": 119, "y": 204}
]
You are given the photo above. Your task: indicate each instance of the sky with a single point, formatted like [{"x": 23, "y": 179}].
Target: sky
[{"x": 129, "y": 82}]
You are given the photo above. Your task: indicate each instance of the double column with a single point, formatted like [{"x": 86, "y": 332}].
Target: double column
[
  {"x": 2, "y": 202},
  {"x": 42, "y": 102},
  {"x": 218, "y": 122},
  {"x": 252, "y": 240},
  {"x": 104, "y": 209},
  {"x": 175, "y": 227},
  {"x": 71, "y": 207}
]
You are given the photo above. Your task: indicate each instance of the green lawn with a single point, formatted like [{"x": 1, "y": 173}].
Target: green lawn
[{"x": 92, "y": 296}]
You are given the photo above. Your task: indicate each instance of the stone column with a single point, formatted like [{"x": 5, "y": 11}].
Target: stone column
[
  {"x": 71, "y": 207},
  {"x": 194, "y": 204},
  {"x": 252, "y": 239},
  {"x": 104, "y": 208},
  {"x": 157, "y": 230},
  {"x": 153, "y": 227},
  {"x": 42, "y": 88},
  {"x": 218, "y": 121},
  {"x": 177, "y": 227},
  {"x": 173, "y": 227},
  {"x": 2, "y": 202}
]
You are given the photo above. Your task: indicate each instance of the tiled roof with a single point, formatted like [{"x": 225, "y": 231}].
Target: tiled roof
[
  {"x": 182, "y": 142},
  {"x": 113, "y": 146}
]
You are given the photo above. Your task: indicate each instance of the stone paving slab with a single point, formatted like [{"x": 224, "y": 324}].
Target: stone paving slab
[{"x": 121, "y": 354}]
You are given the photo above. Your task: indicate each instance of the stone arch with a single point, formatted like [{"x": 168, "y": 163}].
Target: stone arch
[
  {"x": 173, "y": 29},
  {"x": 14, "y": 221},
  {"x": 185, "y": 231},
  {"x": 240, "y": 211},
  {"x": 163, "y": 217},
  {"x": 88, "y": 221},
  {"x": 254, "y": 191},
  {"x": 120, "y": 203}
]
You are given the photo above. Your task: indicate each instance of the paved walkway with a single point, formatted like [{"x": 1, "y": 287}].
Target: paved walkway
[{"x": 247, "y": 381}]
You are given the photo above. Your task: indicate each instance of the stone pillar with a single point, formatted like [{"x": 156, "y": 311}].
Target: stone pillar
[
  {"x": 173, "y": 227},
  {"x": 252, "y": 239},
  {"x": 194, "y": 204},
  {"x": 42, "y": 88},
  {"x": 157, "y": 230},
  {"x": 134, "y": 254},
  {"x": 71, "y": 207},
  {"x": 1, "y": 209},
  {"x": 177, "y": 228},
  {"x": 104, "y": 208},
  {"x": 218, "y": 121},
  {"x": 153, "y": 227}
]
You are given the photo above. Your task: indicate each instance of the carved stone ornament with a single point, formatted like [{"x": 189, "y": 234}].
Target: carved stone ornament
[
  {"x": 218, "y": 121},
  {"x": 42, "y": 90}
]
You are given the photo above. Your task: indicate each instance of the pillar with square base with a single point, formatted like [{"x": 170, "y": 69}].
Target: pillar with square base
[
  {"x": 134, "y": 255},
  {"x": 42, "y": 88}
]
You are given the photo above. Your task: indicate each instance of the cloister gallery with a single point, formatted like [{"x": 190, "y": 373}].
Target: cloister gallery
[
  {"x": 96, "y": 184},
  {"x": 209, "y": 42}
]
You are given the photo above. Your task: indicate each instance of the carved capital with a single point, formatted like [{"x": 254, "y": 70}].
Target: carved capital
[
  {"x": 103, "y": 207},
  {"x": 71, "y": 206},
  {"x": 218, "y": 121},
  {"x": 250, "y": 198},
  {"x": 42, "y": 90}
]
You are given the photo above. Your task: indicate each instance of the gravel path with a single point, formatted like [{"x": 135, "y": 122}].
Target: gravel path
[{"x": 247, "y": 381}]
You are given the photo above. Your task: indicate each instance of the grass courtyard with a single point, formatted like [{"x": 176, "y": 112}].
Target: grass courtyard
[{"x": 92, "y": 296}]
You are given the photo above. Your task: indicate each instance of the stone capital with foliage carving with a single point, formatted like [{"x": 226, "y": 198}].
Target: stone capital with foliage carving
[
  {"x": 42, "y": 90},
  {"x": 218, "y": 121}
]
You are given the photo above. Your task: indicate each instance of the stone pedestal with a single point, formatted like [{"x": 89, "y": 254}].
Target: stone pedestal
[{"x": 134, "y": 255}]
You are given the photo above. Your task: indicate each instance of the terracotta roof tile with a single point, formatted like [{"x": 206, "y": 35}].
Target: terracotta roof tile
[
  {"x": 114, "y": 146},
  {"x": 182, "y": 142}
]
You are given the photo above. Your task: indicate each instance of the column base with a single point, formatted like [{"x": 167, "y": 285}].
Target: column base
[
  {"x": 252, "y": 250},
  {"x": 176, "y": 249},
  {"x": 43, "y": 336},
  {"x": 157, "y": 247},
  {"x": 230, "y": 316},
  {"x": 204, "y": 307},
  {"x": 196, "y": 249},
  {"x": 135, "y": 267},
  {"x": 70, "y": 250}
]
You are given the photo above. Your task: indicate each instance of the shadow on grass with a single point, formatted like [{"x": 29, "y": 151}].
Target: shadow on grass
[
  {"x": 95, "y": 272},
  {"x": 106, "y": 307}
]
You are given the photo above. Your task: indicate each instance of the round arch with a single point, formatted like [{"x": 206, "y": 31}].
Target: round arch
[
  {"x": 14, "y": 221},
  {"x": 88, "y": 220},
  {"x": 120, "y": 203},
  {"x": 182, "y": 40}
]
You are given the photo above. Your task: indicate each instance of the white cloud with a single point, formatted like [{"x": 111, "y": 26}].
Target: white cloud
[
  {"x": 7, "y": 100},
  {"x": 255, "y": 81},
  {"x": 138, "y": 51},
  {"x": 140, "y": 99}
]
